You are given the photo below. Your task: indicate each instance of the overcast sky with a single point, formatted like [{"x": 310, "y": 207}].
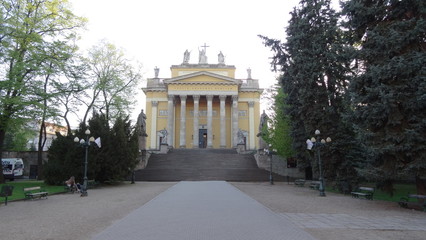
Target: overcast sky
[{"x": 157, "y": 32}]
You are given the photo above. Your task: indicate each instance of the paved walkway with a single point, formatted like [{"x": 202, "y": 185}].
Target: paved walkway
[
  {"x": 346, "y": 221},
  {"x": 203, "y": 210}
]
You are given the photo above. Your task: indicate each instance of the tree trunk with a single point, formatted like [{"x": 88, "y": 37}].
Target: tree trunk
[
  {"x": 41, "y": 143},
  {"x": 2, "y": 136},
  {"x": 421, "y": 187}
]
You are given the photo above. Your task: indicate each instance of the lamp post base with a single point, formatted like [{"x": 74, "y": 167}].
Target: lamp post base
[{"x": 271, "y": 180}]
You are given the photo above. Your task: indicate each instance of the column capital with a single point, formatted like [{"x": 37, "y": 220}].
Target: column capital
[
  {"x": 183, "y": 97},
  {"x": 196, "y": 97},
  {"x": 222, "y": 97},
  {"x": 171, "y": 97},
  {"x": 154, "y": 103},
  {"x": 234, "y": 97},
  {"x": 209, "y": 97},
  {"x": 251, "y": 104}
]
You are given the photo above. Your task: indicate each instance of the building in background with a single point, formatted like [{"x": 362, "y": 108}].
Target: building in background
[
  {"x": 51, "y": 129},
  {"x": 202, "y": 105}
]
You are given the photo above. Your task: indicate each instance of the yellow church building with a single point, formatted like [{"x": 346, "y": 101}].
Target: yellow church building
[{"x": 202, "y": 105}]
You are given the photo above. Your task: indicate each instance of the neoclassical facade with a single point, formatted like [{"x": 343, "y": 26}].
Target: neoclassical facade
[{"x": 202, "y": 106}]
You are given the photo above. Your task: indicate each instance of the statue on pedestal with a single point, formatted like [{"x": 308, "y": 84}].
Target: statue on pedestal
[
  {"x": 241, "y": 135},
  {"x": 186, "y": 56},
  {"x": 156, "y": 72},
  {"x": 221, "y": 58},
  {"x": 141, "y": 125},
  {"x": 263, "y": 121},
  {"x": 202, "y": 58},
  {"x": 163, "y": 134}
]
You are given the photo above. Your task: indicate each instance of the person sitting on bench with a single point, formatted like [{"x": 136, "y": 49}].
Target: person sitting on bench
[{"x": 72, "y": 185}]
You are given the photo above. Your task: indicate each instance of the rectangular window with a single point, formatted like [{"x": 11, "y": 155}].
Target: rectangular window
[
  {"x": 163, "y": 113},
  {"x": 242, "y": 113},
  {"x": 202, "y": 113}
]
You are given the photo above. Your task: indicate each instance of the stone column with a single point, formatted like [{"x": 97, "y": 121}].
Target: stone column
[
  {"x": 235, "y": 121},
  {"x": 209, "y": 121},
  {"x": 153, "y": 136},
  {"x": 182, "y": 142},
  {"x": 222, "y": 121},
  {"x": 196, "y": 120},
  {"x": 252, "y": 145},
  {"x": 170, "y": 117}
]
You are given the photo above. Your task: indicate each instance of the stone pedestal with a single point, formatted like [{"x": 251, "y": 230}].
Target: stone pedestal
[
  {"x": 143, "y": 159},
  {"x": 164, "y": 149},
  {"x": 262, "y": 159},
  {"x": 142, "y": 142},
  {"x": 241, "y": 148}
]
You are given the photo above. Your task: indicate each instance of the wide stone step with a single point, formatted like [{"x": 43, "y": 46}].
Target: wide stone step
[
  {"x": 245, "y": 175},
  {"x": 203, "y": 165}
]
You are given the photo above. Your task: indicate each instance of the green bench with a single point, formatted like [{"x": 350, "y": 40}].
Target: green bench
[
  {"x": 35, "y": 192},
  {"x": 405, "y": 201},
  {"x": 365, "y": 192},
  {"x": 299, "y": 182},
  {"x": 314, "y": 185}
]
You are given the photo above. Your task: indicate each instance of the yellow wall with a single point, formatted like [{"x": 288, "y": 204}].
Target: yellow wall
[
  {"x": 230, "y": 70},
  {"x": 203, "y": 121},
  {"x": 203, "y": 79},
  {"x": 153, "y": 95},
  {"x": 192, "y": 87},
  {"x": 148, "y": 113},
  {"x": 186, "y": 86}
]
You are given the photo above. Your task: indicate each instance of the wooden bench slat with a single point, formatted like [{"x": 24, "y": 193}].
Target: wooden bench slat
[
  {"x": 315, "y": 185},
  {"x": 34, "y": 192},
  {"x": 299, "y": 182},
  {"x": 366, "y": 192},
  {"x": 405, "y": 201}
]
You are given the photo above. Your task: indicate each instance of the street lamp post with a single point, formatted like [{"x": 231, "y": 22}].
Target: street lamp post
[
  {"x": 269, "y": 153},
  {"x": 85, "y": 143},
  {"x": 317, "y": 144}
]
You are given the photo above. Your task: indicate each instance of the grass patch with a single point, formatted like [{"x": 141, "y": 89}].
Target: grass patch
[
  {"x": 18, "y": 189},
  {"x": 401, "y": 190}
]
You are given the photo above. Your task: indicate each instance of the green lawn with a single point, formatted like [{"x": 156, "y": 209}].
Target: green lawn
[
  {"x": 401, "y": 190},
  {"x": 18, "y": 190}
]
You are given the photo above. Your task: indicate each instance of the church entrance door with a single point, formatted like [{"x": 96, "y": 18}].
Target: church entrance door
[{"x": 202, "y": 143}]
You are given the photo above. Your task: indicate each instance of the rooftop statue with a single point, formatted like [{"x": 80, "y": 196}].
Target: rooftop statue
[
  {"x": 202, "y": 58},
  {"x": 186, "y": 56},
  {"x": 156, "y": 71},
  {"x": 221, "y": 58}
]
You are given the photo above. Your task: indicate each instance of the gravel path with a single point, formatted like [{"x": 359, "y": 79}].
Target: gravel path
[
  {"x": 337, "y": 216},
  {"x": 69, "y": 216}
]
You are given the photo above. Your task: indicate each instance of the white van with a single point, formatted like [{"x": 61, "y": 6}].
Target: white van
[{"x": 12, "y": 168}]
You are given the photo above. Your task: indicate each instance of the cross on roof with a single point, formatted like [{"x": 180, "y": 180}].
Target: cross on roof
[{"x": 205, "y": 47}]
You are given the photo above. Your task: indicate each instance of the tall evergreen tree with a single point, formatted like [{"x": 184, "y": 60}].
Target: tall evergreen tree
[
  {"x": 389, "y": 89},
  {"x": 112, "y": 162},
  {"x": 314, "y": 64}
]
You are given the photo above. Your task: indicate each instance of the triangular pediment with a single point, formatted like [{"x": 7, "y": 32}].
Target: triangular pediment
[{"x": 201, "y": 77}]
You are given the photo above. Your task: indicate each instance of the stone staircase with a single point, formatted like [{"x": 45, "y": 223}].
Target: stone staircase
[{"x": 203, "y": 165}]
